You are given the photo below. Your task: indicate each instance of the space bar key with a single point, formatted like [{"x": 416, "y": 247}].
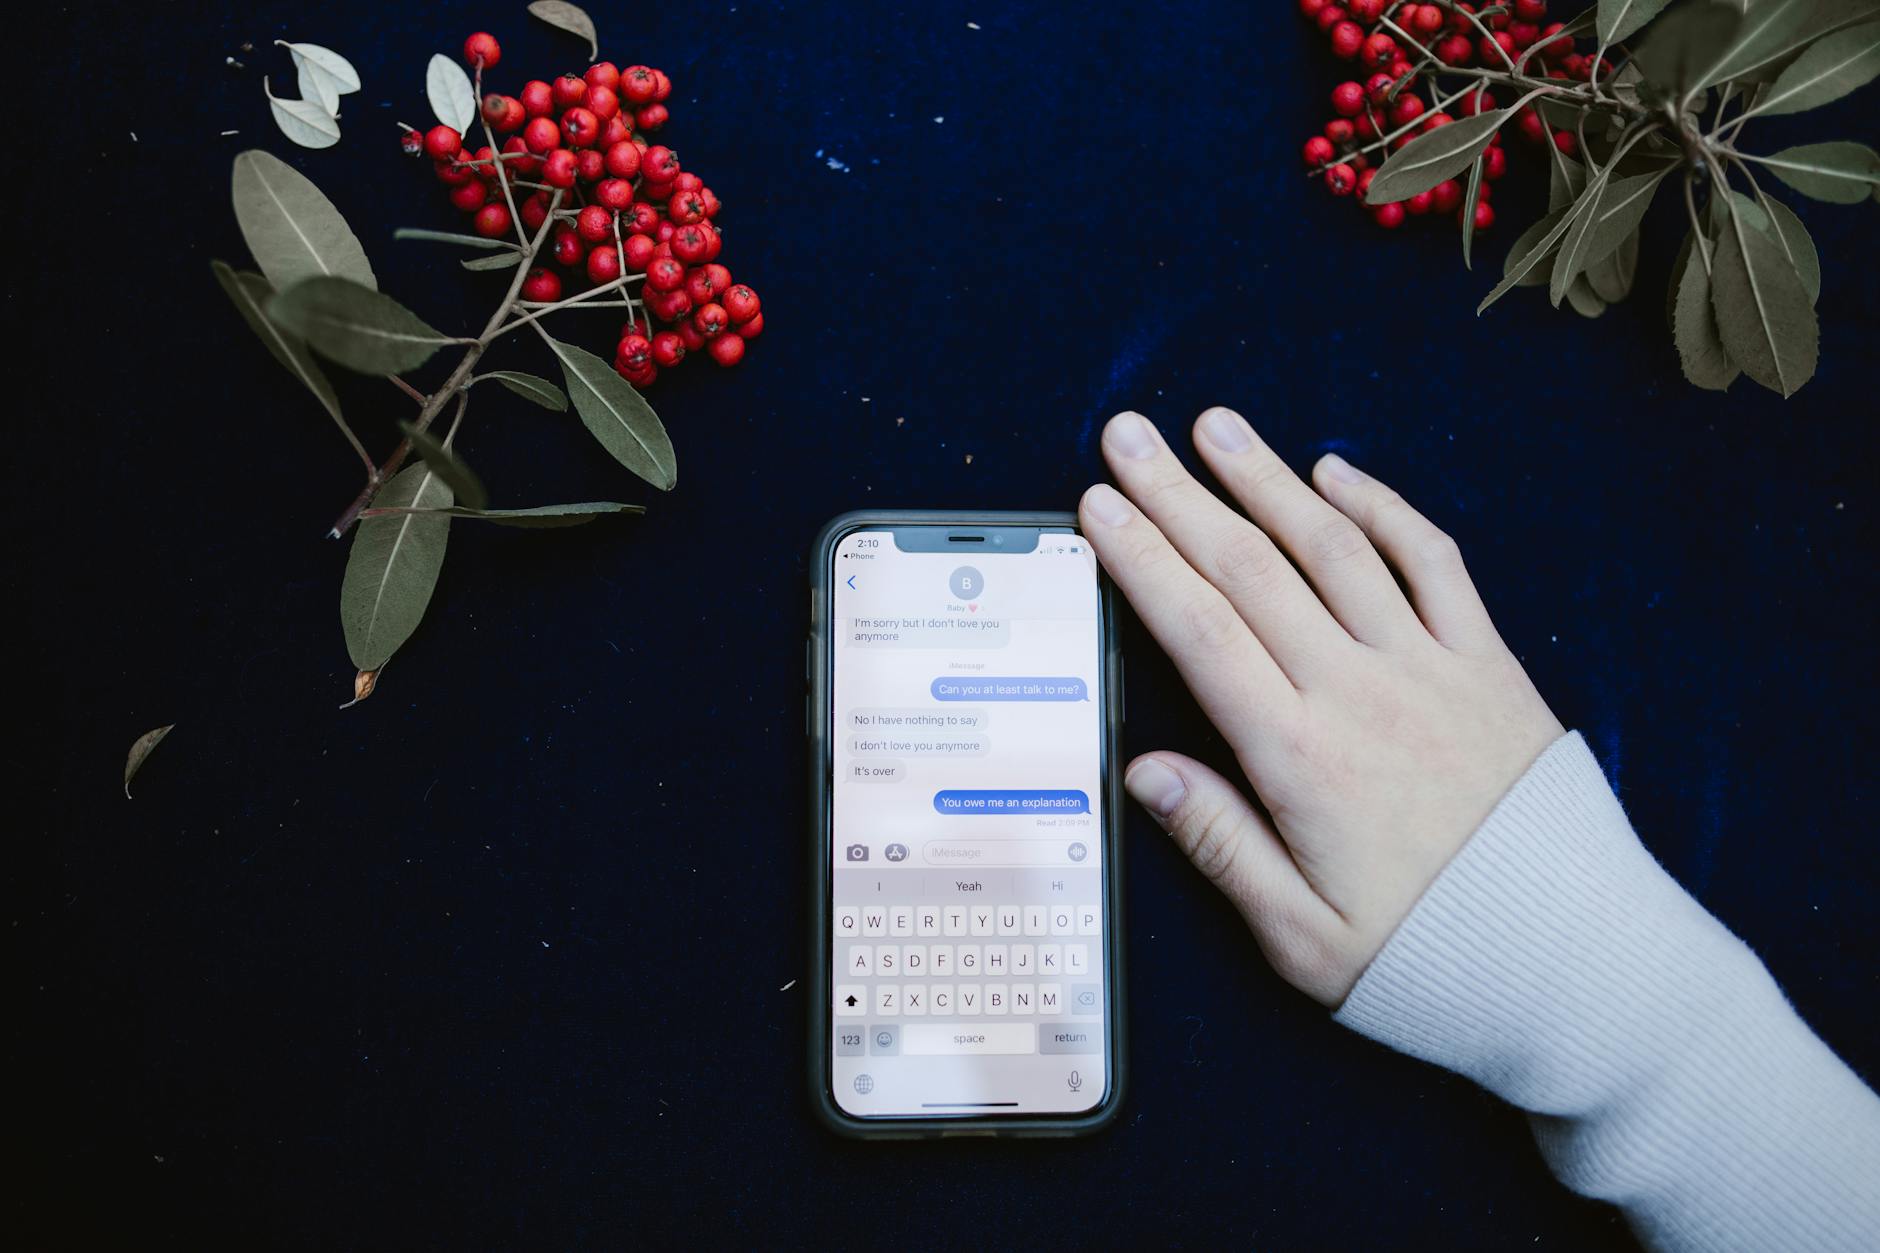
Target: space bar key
[{"x": 952, "y": 1039}]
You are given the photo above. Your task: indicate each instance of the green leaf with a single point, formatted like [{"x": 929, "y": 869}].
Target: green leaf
[
  {"x": 570, "y": 18},
  {"x": 1775, "y": 30},
  {"x": 1469, "y": 200},
  {"x": 1583, "y": 300},
  {"x": 1566, "y": 180},
  {"x": 460, "y": 478},
  {"x": 1679, "y": 50},
  {"x": 361, "y": 329},
  {"x": 292, "y": 229},
  {"x": 1533, "y": 272},
  {"x": 541, "y": 517},
  {"x": 1433, "y": 156},
  {"x": 1763, "y": 311},
  {"x": 498, "y": 261},
  {"x": 140, "y": 749},
  {"x": 1701, "y": 352},
  {"x": 449, "y": 237},
  {"x": 453, "y": 97},
  {"x": 1677, "y": 279},
  {"x": 1838, "y": 172},
  {"x": 529, "y": 387},
  {"x": 251, "y": 292},
  {"x": 307, "y": 122},
  {"x": 1515, "y": 270},
  {"x": 1611, "y": 276},
  {"x": 1827, "y": 71},
  {"x": 618, "y": 416},
  {"x": 393, "y": 567},
  {"x": 1789, "y": 233},
  {"x": 1608, "y": 212},
  {"x": 1619, "y": 18}
]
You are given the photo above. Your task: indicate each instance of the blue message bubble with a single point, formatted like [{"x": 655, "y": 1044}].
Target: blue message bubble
[
  {"x": 1019, "y": 688},
  {"x": 1011, "y": 801}
]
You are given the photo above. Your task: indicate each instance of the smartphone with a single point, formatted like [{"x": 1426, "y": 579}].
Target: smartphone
[{"x": 963, "y": 707}]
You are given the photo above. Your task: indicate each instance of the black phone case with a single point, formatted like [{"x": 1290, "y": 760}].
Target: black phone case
[{"x": 822, "y": 851}]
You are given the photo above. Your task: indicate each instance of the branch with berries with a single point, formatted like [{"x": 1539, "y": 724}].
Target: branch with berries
[
  {"x": 587, "y": 212},
  {"x": 1616, "y": 122}
]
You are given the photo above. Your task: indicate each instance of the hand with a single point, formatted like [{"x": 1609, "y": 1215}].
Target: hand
[{"x": 1377, "y": 729}]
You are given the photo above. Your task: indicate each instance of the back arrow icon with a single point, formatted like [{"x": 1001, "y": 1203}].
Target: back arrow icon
[{"x": 851, "y": 580}]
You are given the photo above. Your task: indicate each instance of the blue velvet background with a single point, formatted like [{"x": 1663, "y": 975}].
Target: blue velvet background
[{"x": 502, "y": 956}]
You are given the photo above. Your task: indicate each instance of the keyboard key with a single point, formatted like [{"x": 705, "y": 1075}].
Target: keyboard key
[
  {"x": 1063, "y": 920},
  {"x": 1008, "y": 916},
  {"x": 901, "y": 920},
  {"x": 1024, "y": 960},
  {"x": 1076, "y": 959},
  {"x": 851, "y": 1000},
  {"x": 971, "y": 962},
  {"x": 1088, "y": 920},
  {"x": 914, "y": 961},
  {"x": 1050, "y": 998},
  {"x": 914, "y": 1000},
  {"x": 979, "y": 918},
  {"x": 1069, "y": 1039},
  {"x": 887, "y": 1000},
  {"x": 874, "y": 920},
  {"x": 940, "y": 996},
  {"x": 848, "y": 920},
  {"x": 953, "y": 920},
  {"x": 996, "y": 957},
  {"x": 1051, "y": 959},
  {"x": 850, "y": 1041},
  {"x": 927, "y": 920},
  {"x": 1024, "y": 998},
  {"x": 972, "y": 999},
  {"x": 888, "y": 960},
  {"x": 942, "y": 961},
  {"x": 861, "y": 963},
  {"x": 884, "y": 1040},
  {"x": 1034, "y": 920},
  {"x": 998, "y": 998},
  {"x": 930, "y": 1039},
  {"x": 1086, "y": 998}
]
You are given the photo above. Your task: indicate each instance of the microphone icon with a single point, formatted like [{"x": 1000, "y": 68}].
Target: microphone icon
[{"x": 1075, "y": 1082}]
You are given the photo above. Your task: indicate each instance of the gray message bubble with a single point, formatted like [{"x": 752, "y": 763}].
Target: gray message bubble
[
  {"x": 929, "y": 631},
  {"x": 917, "y": 744},
  {"x": 877, "y": 770},
  {"x": 952, "y": 719}
]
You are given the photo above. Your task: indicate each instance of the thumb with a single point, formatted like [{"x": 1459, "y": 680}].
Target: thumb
[{"x": 1240, "y": 851}]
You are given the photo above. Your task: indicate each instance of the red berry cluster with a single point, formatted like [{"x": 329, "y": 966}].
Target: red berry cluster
[
  {"x": 635, "y": 210},
  {"x": 1386, "y": 101}
]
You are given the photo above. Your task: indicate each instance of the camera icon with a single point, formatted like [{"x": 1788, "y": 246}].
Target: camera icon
[{"x": 857, "y": 852}]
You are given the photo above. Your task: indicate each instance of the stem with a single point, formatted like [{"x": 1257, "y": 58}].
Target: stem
[
  {"x": 453, "y": 385},
  {"x": 407, "y": 388},
  {"x": 502, "y": 175},
  {"x": 539, "y": 310},
  {"x": 1690, "y": 208}
]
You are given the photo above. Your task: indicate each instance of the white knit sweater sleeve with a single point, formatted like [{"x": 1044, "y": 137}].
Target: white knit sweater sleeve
[{"x": 1558, "y": 965}]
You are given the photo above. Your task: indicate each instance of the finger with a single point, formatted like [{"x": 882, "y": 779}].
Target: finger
[
  {"x": 1345, "y": 570},
  {"x": 1233, "y": 679},
  {"x": 1431, "y": 565},
  {"x": 1227, "y": 550},
  {"x": 1240, "y": 851}
]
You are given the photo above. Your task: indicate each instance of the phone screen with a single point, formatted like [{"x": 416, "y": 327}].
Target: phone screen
[{"x": 966, "y": 739}]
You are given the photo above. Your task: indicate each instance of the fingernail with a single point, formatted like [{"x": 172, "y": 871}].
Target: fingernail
[
  {"x": 1342, "y": 470},
  {"x": 1155, "y": 787},
  {"x": 1107, "y": 504},
  {"x": 1227, "y": 430},
  {"x": 1131, "y": 435}
]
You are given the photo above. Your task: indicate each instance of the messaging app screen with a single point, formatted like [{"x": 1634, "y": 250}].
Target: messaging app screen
[{"x": 967, "y": 955}]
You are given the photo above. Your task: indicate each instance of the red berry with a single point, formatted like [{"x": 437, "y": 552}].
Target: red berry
[
  {"x": 1530, "y": 10},
  {"x": 1388, "y": 216},
  {"x": 635, "y": 351},
  {"x": 1446, "y": 196},
  {"x": 706, "y": 281},
  {"x": 689, "y": 336},
  {"x": 1499, "y": 39},
  {"x": 1366, "y": 12},
  {"x": 662, "y": 86},
  {"x": 534, "y": 212},
  {"x": 603, "y": 264},
  {"x": 1348, "y": 99},
  {"x": 1379, "y": 50},
  {"x": 542, "y": 136},
  {"x": 569, "y": 91},
  {"x": 1330, "y": 16},
  {"x": 651, "y": 118},
  {"x": 1434, "y": 120},
  {"x": 441, "y": 143},
  {"x": 664, "y": 233},
  {"x": 660, "y": 164},
  {"x": 454, "y": 173},
  {"x": 567, "y": 248},
  {"x": 1458, "y": 21},
  {"x": 1566, "y": 142},
  {"x": 411, "y": 143},
  {"x": 1338, "y": 130},
  {"x": 603, "y": 102},
  {"x": 1552, "y": 48},
  {"x": 1429, "y": 20},
  {"x": 637, "y": 251},
  {"x": 1364, "y": 183},
  {"x": 1310, "y": 8},
  {"x": 579, "y": 127},
  {"x": 603, "y": 74},
  {"x": 727, "y": 350},
  {"x": 492, "y": 221},
  {"x": 1523, "y": 33},
  {"x": 669, "y": 306},
  {"x": 482, "y": 49},
  {"x": 595, "y": 224},
  {"x": 665, "y": 274},
  {"x": 614, "y": 193},
  {"x": 496, "y": 110},
  {"x": 685, "y": 208},
  {"x": 1494, "y": 164},
  {"x": 542, "y": 285},
  {"x": 558, "y": 168},
  {"x": 741, "y": 303},
  {"x": 1469, "y": 105},
  {"x": 614, "y": 131},
  {"x": 1407, "y": 110},
  {"x": 692, "y": 244},
  {"x": 643, "y": 219},
  {"x": 751, "y": 329},
  {"x": 1361, "y": 126},
  {"x": 715, "y": 242},
  {"x": 668, "y": 349},
  {"x": 1484, "y": 215},
  {"x": 623, "y": 160},
  {"x": 523, "y": 165},
  {"x": 589, "y": 165},
  {"x": 1378, "y": 86},
  {"x": 471, "y": 196},
  {"x": 1455, "y": 50},
  {"x": 637, "y": 84},
  {"x": 1347, "y": 38},
  {"x": 1529, "y": 123},
  {"x": 1318, "y": 151},
  {"x": 641, "y": 379},
  {"x": 1340, "y": 179},
  {"x": 1419, "y": 204},
  {"x": 538, "y": 98},
  {"x": 688, "y": 181}
]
